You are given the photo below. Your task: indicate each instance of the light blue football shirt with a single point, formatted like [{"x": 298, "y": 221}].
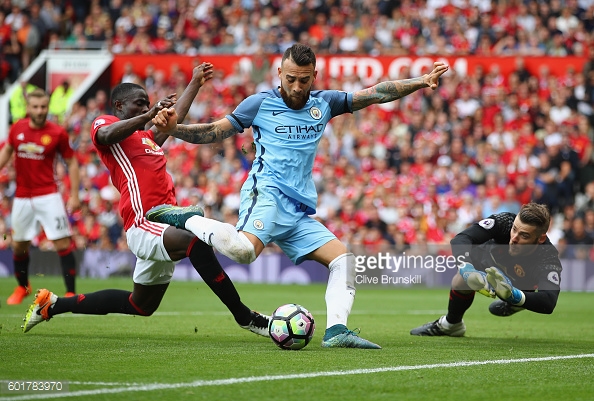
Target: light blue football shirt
[{"x": 287, "y": 140}]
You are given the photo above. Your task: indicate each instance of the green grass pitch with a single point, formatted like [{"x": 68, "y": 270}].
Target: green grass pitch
[{"x": 191, "y": 349}]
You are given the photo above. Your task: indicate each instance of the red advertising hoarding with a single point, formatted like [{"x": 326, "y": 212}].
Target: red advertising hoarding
[{"x": 369, "y": 69}]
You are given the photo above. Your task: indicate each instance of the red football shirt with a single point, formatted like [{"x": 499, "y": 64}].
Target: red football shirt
[
  {"x": 138, "y": 170},
  {"x": 35, "y": 151}
]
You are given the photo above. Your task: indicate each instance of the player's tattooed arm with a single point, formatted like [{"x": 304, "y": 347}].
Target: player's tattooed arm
[
  {"x": 166, "y": 122},
  {"x": 392, "y": 90},
  {"x": 200, "y": 75},
  {"x": 388, "y": 91},
  {"x": 203, "y": 133}
]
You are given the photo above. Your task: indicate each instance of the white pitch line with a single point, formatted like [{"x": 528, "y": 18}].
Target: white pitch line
[{"x": 253, "y": 379}]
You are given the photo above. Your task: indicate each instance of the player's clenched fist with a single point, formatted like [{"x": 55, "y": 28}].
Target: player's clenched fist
[{"x": 166, "y": 119}]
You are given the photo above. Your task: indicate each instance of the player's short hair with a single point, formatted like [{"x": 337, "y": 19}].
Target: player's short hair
[
  {"x": 301, "y": 54},
  {"x": 536, "y": 215},
  {"x": 121, "y": 91},
  {"x": 37, "y": 93}
]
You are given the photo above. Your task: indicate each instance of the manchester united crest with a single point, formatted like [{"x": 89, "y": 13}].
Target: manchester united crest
[
  {"x": 46, "y": 140},
  {"x": 519, "y": 271}
]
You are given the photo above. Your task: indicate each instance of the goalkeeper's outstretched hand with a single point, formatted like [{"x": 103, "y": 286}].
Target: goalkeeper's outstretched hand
[
  {"x": 504, "y": 287},
  {"x": 477, "y": 280}
]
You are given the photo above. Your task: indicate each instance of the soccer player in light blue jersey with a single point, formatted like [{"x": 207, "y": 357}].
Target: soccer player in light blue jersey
[{"x": 279, "y": 195}]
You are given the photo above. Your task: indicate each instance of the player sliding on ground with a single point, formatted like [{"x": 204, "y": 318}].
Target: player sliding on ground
[
  {"x": 137, "y": 166},
  {"x": 279, "y": 194},
  {"x": 508, "y": 256}
]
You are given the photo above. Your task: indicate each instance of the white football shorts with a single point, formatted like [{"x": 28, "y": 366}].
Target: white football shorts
[
  {"x": 47, "y": 211},
  {"x": 153, "y": 264}
]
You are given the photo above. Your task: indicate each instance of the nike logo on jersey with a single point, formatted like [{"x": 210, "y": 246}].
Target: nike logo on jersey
[{"x": 276, "y": 113}]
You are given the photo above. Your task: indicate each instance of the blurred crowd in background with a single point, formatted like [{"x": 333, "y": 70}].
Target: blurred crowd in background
[{"x": 415, "y": 171}]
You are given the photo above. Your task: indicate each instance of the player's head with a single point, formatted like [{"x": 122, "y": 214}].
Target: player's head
[
  {"x": 297, "y": 74},
  {"x": 37, "y": 107},
  {"x": 129, "y": 100},
  {"x": 529, "y": 229}
]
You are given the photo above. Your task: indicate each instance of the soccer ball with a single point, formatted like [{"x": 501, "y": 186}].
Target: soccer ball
[{"x": 291, "y": 326}]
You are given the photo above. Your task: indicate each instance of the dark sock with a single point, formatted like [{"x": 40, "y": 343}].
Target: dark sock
[
  {"x": 68, "y": 264},
  {"x": 458, "y": 305},
  {"x": 97, "y": 303},
  {"x": 21, "y": 268},
  {"x": 207, "y": 265}
]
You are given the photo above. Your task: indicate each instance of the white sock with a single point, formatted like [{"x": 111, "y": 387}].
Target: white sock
[
  {"x": 445, "y": 323},
  {"x": 340, "y": 293},
  {"x": 223, "y": 237}
]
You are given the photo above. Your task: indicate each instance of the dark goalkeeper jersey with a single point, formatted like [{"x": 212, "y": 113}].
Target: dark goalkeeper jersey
[{"x": 486, "y": 244}]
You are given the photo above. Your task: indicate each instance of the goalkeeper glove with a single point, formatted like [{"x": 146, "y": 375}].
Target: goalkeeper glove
[
  {"x": 476, "y": 280},
  {"x": 504, "y": 287}
]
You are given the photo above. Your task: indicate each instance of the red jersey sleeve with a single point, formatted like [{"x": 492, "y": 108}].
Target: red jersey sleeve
[{"x": 101, "y": 121}]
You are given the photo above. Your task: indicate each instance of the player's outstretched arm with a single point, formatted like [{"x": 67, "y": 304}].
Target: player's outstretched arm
[
  {"x": 120, "y": 130},
  {"x": 166, "y": 121},
  {"x": 389, "y": 91},
  {"x": 504, "y": 287},
  {"x": 200, "y": 75}
]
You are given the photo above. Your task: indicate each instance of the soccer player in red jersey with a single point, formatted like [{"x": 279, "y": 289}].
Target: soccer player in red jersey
[
  {"x": 37, "y": 201},
  {"x": 137, "y": 166}
]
